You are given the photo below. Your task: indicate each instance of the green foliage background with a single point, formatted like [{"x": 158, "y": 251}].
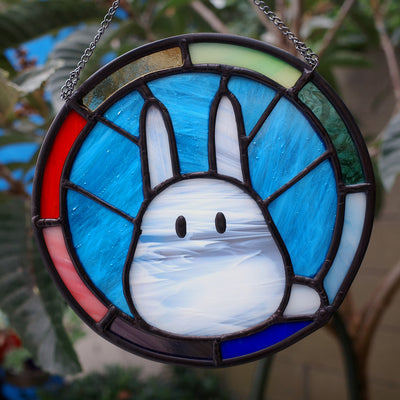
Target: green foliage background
[
  {"x": 118, "y": 383},
  {"x": 27, "y": 296}
]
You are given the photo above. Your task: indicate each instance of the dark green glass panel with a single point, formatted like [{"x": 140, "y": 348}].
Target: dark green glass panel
[{"x": 346, "y": 150}]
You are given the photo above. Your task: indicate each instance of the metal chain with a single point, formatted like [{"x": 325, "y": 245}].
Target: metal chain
[
  {"x": 69, "y": 86},
  {"x": 309, "y": 56}
]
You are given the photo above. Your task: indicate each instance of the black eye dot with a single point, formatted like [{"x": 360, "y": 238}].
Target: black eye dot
[
  {"x": 220, "y": 222},
  {"x": 180, "y": 226}
]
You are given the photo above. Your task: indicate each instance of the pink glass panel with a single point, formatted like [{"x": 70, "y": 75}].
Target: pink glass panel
[{"x": 54, "y": 239}]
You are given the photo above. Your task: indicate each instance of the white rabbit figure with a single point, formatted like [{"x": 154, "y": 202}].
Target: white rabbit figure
[{"x": 206, "y": 262}]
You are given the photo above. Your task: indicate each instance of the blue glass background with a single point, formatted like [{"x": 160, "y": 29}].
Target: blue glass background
[
  {"x": 126, "y": 113},
  {"x": 287, "y": 143},
  {"x": 108, "y": 165},
  {"x": 305, "y": 217},
  {"x": 253, "y": 97},
  {"x": 188, "y": 98},
  {"x": 101, "y": 239}
]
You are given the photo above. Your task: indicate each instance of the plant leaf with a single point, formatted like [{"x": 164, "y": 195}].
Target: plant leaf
[
  {"x": 389, "y": 160},
  {"x": 41, "y": 17},
  {"x": 68, "y": 52},
  {"x": 33, "y": 79},
  {"x": 27, "y": 295},
  {"x": 9, "y": 96},
  {"x": 12, "y": 136}
]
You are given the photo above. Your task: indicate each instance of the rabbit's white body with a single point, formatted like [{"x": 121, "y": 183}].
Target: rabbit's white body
[
  {"x": 207, "y": 283},
  {"x": 203, "y": 280}
]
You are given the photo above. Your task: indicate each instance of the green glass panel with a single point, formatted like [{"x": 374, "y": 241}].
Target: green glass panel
[
  {"x": 158, "y": 61},
  {"x": 346, "y": 150},
  {"x": 228, "y": 54}
]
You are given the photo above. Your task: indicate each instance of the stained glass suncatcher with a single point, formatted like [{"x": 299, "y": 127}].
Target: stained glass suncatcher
[{"x": 205, "y": 199}]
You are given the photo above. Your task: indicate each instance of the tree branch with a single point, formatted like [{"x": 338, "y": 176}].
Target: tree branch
[
  {"x": 280, "y": 12},
  {"x": 124, "y": 5},
  {"x": 209, "y": 17},
  {"x": 330, "y": 34},
  {"x": 388, "y": 50},
  {"x": 270, "y": 27},
  {"x": 374, "y": 310},
  {"x": 261, "y": 17},
  {"x": 16, "y": 187},
  {"x": 297, "y": 16},
  {"x": 349, "y": 314}
]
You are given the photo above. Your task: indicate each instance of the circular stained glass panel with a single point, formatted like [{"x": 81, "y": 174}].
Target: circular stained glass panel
[{"x": 205, "y": 199}]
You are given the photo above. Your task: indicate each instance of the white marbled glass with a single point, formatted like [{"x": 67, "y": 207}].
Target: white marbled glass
[
  {"x": 206, "y": 283},
  {"x": 158, "y": 150},
  {"x": 303, "y": 300},
  {"x": 354, "y": 217},
  {"x": 227, "y": 141}
]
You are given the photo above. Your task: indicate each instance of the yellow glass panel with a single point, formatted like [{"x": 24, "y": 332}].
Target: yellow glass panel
[
  {"x": 158, "y": 61},
  {"x": 228, "y": 54}
]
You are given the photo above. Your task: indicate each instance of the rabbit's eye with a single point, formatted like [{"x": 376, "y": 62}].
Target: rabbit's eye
[
  {"x": 180, "y": 226},
  {"x": 220, "y": 222}
]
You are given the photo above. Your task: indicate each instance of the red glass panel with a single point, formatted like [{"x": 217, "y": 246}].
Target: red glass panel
[{"x": 50, "y": 196}]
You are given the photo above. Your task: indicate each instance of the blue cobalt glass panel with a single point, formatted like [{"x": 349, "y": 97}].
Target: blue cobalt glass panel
[
  {"x": 120, "y": 184},
  {"x": 126, "y": 112},
  {"x": 253, "y": 97},
  {"x": 188, "y": 99},
  {"x": 284, "y": 146},
  {"x": 206, "y": 210},
  {"x": 101, "y": 239},
  {"x": 258, "y": 341},
  {"x": 307, "y": 229}
]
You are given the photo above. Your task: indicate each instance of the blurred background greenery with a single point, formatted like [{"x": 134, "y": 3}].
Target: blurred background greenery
[{"x": 42, "y": 41}]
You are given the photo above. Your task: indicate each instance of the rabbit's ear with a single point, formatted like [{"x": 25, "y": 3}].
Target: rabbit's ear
[
  {"x": 227, "y": 149},
  {"x": 159, "y": 147}
]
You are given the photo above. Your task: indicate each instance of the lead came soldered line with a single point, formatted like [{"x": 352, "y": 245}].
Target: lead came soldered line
[
  {"x": 89, "y": 195},
  {"x": 298, "y": 177}
]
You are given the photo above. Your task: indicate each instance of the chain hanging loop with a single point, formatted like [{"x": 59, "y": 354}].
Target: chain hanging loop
[
  {"x": 69, "y": 86},
  {"x": 309, "y": 56}
]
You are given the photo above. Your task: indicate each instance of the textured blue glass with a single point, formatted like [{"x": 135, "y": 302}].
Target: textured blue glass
[
  {"x": 305, "y": 217},
  {"x": 126, "y": 113},
  {"x": 260, "y": 340},
  {"x": 101, "y": 239},
  {"x": 108, "y": 165},
  {"x": 188, "y": 98},
  {"x": 253, "y": 97},
  {"x": 284, "y": 146}
]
